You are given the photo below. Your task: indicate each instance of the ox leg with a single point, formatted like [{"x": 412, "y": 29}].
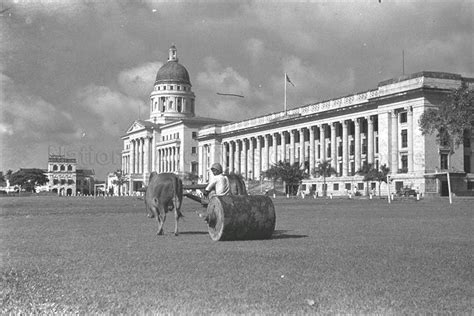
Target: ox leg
[
  {"x": 176, "y": 218},
  {"x": 160, "y": 219}
]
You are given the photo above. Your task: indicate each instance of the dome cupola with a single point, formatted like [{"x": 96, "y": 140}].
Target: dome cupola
[
  {"x": 172, "y": 71},
  {"x": 172, "y": 97}
]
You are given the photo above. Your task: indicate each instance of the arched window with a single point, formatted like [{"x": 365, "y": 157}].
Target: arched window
[
  {"x": 55, "y": 168},
  {"x": 63, "y": 168},
  {"x": 180, "y": 106},
  {"x": 69, "y": 168}
]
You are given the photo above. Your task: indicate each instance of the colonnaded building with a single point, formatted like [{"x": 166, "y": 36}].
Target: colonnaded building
[
  {"x": 167, "y": 140},
  {"x": 379, "y": 127}
]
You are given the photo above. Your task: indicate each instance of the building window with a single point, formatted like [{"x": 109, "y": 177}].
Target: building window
[
  {"x": 63, "y": 168},
  {"x": 180, "y": 104},
  {"x": 348, "y": 186},
  {"x": 443, "y": 161},
  {"x": 55, "y": 168},
  {"x": 470, "y": 185},
  {"x": 403, "y": 117},
  {"x": 178, "y": 88},
  {"x": 63, "y": 181},
  {"x": 404, "y": 168},
  {"x": 335, "y": 187},
  {"x": 164, "y": 87},
  {"x": 329, "y": 151},
  {"x": 352, "y": 148},
  {"x": 404, "y": 138},
  {"x": 364, "y": 146},
  {"x": 193, "y": 150},
  {"x": 70, "y": 181},
  {"x": 377, "y": 145},
  {"x": 467, "y": 164},
  {"x": 360, "y": 186},
  {"x": 194, "y": 135},
  {"x": 69, "y": 168},
  {"x": 353, "y": 171},
  {"x": 55, "y": 181},
  {"x": 340, "y": 169},
  {"x": 339, "y": 150},
  {"x": 171, "y": 87}
]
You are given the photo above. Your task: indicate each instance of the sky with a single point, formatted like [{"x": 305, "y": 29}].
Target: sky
[{"x": 74, "y": 75}]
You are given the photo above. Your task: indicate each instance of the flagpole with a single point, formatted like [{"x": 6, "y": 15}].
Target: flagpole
[{"x": 285, "y": 92}]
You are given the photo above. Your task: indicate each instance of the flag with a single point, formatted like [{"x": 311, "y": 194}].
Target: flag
[{"x": 288, "y": 80}]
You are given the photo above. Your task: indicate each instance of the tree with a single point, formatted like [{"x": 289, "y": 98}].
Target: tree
[
  {"x": 369, "y": 173},
  {"x": 120, "y": 181},
  {"x": 272, "y": 173},
  {"x": 451, "y": 119},
  {"x": 291, "y": 174},
  {"x": 323, "y": 169},
  {"x": 381, "y": 175},
  {"x": 28, "y": 179}
]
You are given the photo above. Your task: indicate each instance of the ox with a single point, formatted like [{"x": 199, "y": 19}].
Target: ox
[
  {"x": 236, "y": 184},
  {"x": 164, "y": 192}
]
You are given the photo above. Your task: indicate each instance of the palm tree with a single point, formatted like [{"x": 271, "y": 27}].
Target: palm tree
[
  {"x": 369, "y": 173},
  {"x": 381, "y": 175},
  {"x": 290, "y": 174},
  {"x": 323, "y": 169},
  {"x": 120, "y": 181}
]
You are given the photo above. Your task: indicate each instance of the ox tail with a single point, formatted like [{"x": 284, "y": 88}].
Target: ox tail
[{"x": 177, "y": 196}]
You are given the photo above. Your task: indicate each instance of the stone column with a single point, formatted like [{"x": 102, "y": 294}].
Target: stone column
[
  {"x": 292, "y": 147},
  {"x": 345, "y": 152},
  {"x": 266, "y": 164},
  {"x": 138, "y": 168},
  {"x": 394, "y": 168},
  {"x": 410, "y": 138},
  {"x": 200, "y": 162},
  {"x": 357, "y": 144},
  {"x": 245, "y": 154},
  {"x": 237, "y": 156},
  {"x": 275, "y": 147},
  {"x": 334, "y": 146},
  {"x": 153, "y": 151},
  {"x": 283, "y": 147},
  {"x": 311, "y": 149},
  {"x": 370, "y": 139},
  {"x": 146, "y": 159},
  {"x": 231, "y": 157},
  {"x": 302, "y": 148},
  {"x": 132, "y": 157},
  {"x": 258, "y": 157},
  {"x": 322, "y": 140}
]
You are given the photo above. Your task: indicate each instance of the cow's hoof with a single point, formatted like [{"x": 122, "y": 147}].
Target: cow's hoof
[
  {"x": 160, "y": 233},
  {"x": 176, "y": 234}
]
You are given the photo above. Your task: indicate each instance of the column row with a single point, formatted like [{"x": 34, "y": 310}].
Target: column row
[
  {"x": 168, "y": 159},
  {"x": 138, "y": 161},
  {"x": 345, "y": 144}
]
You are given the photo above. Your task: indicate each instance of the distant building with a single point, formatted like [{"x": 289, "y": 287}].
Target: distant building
[
  {"x": 167, "y": 140},
  {"x": 65, "y": 179},
  {"x": 379, "y": 126}
]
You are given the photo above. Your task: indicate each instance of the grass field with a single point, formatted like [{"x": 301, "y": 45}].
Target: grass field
[{"x": 69, "y": 255}]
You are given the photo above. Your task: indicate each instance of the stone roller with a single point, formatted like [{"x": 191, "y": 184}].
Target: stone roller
[{"x": 241, "y": 217}]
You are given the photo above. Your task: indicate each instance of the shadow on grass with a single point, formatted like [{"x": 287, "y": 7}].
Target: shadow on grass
[
  {"x": 282, "y": 234},
  {"x": 193, "y": 233}
]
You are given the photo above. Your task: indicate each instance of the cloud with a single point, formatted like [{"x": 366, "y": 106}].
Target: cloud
[
  {"x": 255, "y": 48},
  {"x": 111, "y": 109},
  {"x": 138, "y": 82},
  {"x": 30, "y": 117}
]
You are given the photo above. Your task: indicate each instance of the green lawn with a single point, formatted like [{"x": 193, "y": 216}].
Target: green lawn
[{"x": 86, "y": 255}]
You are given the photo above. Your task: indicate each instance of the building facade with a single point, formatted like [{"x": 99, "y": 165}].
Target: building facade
[
  {"x": 378, "y": 127},
  {"x": 167, "y": 140},
  {"x": 65, "y": 179}
]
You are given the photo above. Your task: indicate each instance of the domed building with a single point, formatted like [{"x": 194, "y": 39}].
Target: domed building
[{"x": 167, "y": 140}]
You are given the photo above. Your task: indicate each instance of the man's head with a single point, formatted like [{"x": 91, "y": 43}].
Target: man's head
[{"x": 216, "y": 169}]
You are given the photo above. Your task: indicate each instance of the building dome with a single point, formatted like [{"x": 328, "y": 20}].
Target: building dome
[{"x": 172, "y": 71}]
